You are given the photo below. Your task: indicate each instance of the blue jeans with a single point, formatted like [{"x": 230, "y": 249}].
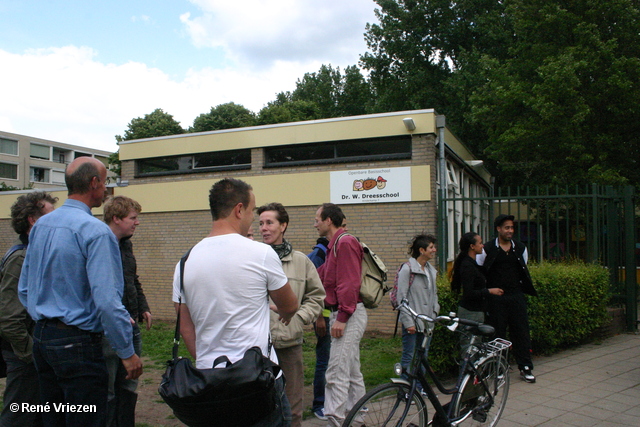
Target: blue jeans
[
  {"x": 408, "y": 347},
  {"x": 281, "y": 416},
  {"x": 122, "y": 396},
  {"x": 22, "y": 387},
  {"x": 71, "y": 371},
  {"x": 323, "y": 348}
]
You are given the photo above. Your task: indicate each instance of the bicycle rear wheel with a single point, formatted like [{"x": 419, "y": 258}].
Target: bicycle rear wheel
[
  {"x": 384, "y": 406},
  {"x": 483, "y": 408}
]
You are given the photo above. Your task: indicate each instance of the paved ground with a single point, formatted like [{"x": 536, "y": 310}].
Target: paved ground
[{"x": 592, "y": 385}]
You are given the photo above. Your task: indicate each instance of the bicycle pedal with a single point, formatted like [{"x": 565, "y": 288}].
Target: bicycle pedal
[{"x": 480, "y": 416}]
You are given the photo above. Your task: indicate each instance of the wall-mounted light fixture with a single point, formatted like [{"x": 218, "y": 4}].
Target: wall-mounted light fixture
[{"x": 409, "y": 124}]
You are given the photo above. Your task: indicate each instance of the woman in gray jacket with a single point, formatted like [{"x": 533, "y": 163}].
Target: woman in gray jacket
[{"x": 417, "y": 283}]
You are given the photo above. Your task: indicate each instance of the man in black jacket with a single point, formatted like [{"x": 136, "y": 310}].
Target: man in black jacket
[
  {"x": 505, "y": 264},
  {"x": 121, "y": 215}
]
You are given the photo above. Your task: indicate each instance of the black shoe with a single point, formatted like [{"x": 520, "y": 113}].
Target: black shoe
[{"x": 527, "y": 375}]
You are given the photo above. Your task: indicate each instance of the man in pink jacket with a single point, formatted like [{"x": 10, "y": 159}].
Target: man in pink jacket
[{"x": 340, "y": 275}]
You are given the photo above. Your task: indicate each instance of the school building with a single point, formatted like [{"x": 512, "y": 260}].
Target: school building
[{"x": 384, "y": 170}]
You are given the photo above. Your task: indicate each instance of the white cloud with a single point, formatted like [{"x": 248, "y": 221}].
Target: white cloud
[
  {"x": 65, "y": 95},
  {"x": 259, "y": 32}
]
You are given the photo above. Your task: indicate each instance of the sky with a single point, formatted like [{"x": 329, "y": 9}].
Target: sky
[{"x": 78, "y": 71}]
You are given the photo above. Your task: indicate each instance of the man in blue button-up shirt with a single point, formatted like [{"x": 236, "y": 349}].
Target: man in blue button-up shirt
[{"x": 72, "y": 285}]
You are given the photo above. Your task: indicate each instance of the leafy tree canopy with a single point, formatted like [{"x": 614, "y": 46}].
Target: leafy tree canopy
[
  {"x": 546, "y": 90},
  {"x": 224, "y": 116},
  {"x": 285, "y": 110},
  {"x": 335, "y": 94},
  {"x": 563, "y": 107},
  {"x": 158, "y": 123}
]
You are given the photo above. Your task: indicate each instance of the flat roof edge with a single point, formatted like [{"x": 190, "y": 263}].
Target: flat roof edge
[{"x": 279, "y": 125}]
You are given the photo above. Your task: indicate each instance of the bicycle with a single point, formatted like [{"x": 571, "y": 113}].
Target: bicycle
[{"x": 478, "y": 397}]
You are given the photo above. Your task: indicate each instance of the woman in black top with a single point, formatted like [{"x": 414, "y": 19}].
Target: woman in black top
[{"x": 467, "y": 277}]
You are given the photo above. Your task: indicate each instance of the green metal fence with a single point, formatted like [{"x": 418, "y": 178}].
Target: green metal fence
[{"x": 593, "y": 223}]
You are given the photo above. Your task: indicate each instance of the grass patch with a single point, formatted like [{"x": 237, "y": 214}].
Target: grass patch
[
  {"x": 378, "y": 353},
  {"x": 157, "y": 343}
]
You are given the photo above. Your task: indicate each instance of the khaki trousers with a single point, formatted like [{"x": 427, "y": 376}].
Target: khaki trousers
[{"x": 345, "y": 384}]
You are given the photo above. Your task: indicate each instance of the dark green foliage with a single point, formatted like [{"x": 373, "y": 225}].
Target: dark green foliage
[
  {"x": 285, "y": 110},
  {"x": 5, "y": 187},
  {"x": 545, "y": 90},
  {"x": 158, "y": 123},
  {"x": 224, "y": 116},
  {"x": 115, "y": 165},
  {"x": 565, "y": 99},
  {"x": 572, "y": 303}
]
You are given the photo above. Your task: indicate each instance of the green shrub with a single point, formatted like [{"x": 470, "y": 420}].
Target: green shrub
[{"x": 571, "y": 305}]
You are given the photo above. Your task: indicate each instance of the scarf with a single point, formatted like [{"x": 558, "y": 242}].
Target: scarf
[{"x": 283, "y": 249}]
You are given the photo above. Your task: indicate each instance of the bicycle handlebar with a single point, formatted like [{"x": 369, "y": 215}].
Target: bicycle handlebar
[{"x": 452, "y": 321}]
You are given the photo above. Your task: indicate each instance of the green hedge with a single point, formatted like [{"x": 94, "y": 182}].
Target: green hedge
[{"x": 571, "y": 304}]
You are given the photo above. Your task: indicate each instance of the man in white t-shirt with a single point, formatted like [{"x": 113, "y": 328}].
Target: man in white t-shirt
[{"x": 227, "y": 281}]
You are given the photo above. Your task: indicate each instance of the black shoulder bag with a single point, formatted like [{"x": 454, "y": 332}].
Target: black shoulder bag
[{"x": 240, "y": 394}]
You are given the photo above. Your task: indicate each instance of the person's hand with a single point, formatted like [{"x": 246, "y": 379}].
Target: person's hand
[
  {"x": 280, "y": 318},
  {"x": 337, "y": 329},
  {"x": 147, "y": 319},
  {"x": 411, "y": 329},
  {"x": 496, "y": 291},
  {"x": 321, "y": 326},
  {"x": 133, "y": 365},
  {"x": 284, "y": 321}
]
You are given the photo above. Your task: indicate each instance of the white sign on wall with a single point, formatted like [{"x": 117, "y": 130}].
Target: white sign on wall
[{"x": 371, "y": 186}]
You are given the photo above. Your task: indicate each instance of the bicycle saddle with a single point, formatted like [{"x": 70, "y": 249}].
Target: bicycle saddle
[{"x": 482, "y": 329}]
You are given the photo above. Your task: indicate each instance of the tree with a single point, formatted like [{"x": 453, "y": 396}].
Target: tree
[
  {"x": 158, "y": 123},
  {"x": 563, "y": 107},
  {"x": 224, "y": 116},
  {"x": 546, "y": 90},
  {"x": 115, "y": 165},
  {"x": 285, "y": 110},
  {"x": 334, "y": 95},
  {"x": 355, "y": 97},
  {"x": 425, "y": 54}
]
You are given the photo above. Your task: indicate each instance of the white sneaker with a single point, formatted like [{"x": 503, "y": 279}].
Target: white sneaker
[{"x": 527, "y": 375}]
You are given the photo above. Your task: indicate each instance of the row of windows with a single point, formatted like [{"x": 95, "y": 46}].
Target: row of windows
[
  {"x": 281, "y": 156},
  {"x": 41, "y": 152},
  {"x": 36, "y": 174}
]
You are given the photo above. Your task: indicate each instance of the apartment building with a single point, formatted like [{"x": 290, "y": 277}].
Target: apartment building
[{"x": 28, "y": 162}]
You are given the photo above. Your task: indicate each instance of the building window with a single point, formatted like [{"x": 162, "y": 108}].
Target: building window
[
  {"x": 8, "y": 171},
  {"x": 57, "y": 177},
  {"x": 8, "y": 146},
  {"x": 360, "y": 150},
  {"x": 39, "y": 175},
  {"x": 40, "y": 152},
  {"x": 202, "y": 162}
]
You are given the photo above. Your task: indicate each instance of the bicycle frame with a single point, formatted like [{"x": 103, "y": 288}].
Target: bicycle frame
[{"x": 415, "y": 372}]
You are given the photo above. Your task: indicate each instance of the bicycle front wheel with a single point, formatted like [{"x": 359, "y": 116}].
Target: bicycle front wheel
[
  {"x": 482, "y": 406},
  {"x": 384, "y": 406}
]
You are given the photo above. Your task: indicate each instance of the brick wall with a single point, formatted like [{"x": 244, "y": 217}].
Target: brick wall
[{"x": 387, "y": 228}]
